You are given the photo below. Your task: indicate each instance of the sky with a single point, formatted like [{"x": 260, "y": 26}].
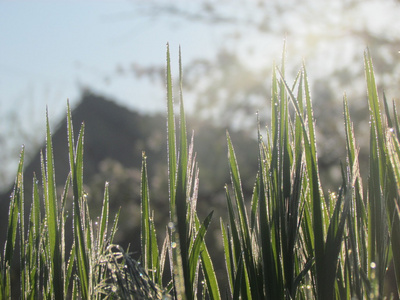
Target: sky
[{"x": 52, "y": 50}]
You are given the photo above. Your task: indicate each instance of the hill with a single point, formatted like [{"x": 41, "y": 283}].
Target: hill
[{"x": 114, "y": 140}]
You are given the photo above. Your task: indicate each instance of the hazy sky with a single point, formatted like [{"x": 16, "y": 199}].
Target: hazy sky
[{"x": 51, "y": 50}]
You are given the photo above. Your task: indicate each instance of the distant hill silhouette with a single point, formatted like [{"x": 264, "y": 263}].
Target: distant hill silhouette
[
  {"x": 114, "y": 139},
  {"x": 111, "y": 131}
]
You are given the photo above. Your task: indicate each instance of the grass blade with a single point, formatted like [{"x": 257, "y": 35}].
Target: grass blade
[{"x": 76, "y": 167}]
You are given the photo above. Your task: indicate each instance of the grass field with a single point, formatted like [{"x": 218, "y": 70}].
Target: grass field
[{"x": 292, "y": 240}]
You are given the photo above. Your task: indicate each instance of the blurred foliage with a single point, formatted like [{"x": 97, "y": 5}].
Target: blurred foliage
[{"x": 229, "y": 87}]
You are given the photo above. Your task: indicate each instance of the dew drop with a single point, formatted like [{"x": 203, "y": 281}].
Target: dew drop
[
  {"x": 171, "y": 226},
  {"x": 173, "y": 245}
]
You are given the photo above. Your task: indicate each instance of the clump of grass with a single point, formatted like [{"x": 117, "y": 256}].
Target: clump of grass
[
  {"x": 48, "y": 268},
  {"x": 336, "y": 246},
  {"x": 297, "y": 241},
  {"x": 124, "y": 277}
]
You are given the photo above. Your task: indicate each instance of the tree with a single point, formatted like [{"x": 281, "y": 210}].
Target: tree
[{"x": 230, "y": 87}]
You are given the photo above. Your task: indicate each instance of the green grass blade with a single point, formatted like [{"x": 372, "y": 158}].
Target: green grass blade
[
  {"x": 238, "y": 280},
  {"x": 396, "y": 120},
  {"x": 171, "y": 137},
  {"x": 236, "y": 251},
  {"x": 34, "y": 243},
  {"x": 146, "y": 236},
  {"x": 198, "y": 244},
  {"x": 51, "y": 216},
  {"x": 243, "y": 227},
  {"x": 157, "y": 262},
  {"x": 12, "y": 229},
  {"x": 103, "y": 224},
  {"x": 24, "y": 277},
  {"x": 183, "y": 226},
  {"x": 13, "y": 216},
  {"x": 394, "y": 155},
  {"x": 379, "y": 189},
  {"x": 210, "y": 275},
  {"x": 69, "y": 269},
  {"x": 229, "y": 260},
  {"x": 114, "y": 226},
  {"x": 357, "y": 217},
  {"x": 76, "y": 167}
]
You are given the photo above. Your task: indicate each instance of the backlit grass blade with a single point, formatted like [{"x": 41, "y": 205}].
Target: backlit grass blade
[
  {"x": 396, "y": 120},
  {"x": 114, "y": 226},
  {"x": 183, "y": 225},
  {"x": 228, "y": 255},
  {"x": 12, "y": 229},
  {"x": 196, "y": 248},
  {"x": 21, "y": 226},
  {"x": 145, "y": 218},
  {"x": 181, "y": 277},
  {"x": 357, "y": 215},
  {"x": 274, "y": 289},
  {"x": 209, "y": 274},
  {"x": 324, "y": 257},
  {"x": 103, "y": 224},
  {"x": 379, "y": 182},
  {"x": 171, "y": 137},
  {"x": 394, "y": 155},
  {"x": 237, "y": 285},
  {"x": 392, "y": 189},
  {"x": 243, "y": 225},
  {"x": 13, "y": 215},
  {"x": 150, "y": 255},
  {"x": 76, "y": 167},
  {"x": 32, "y": 264},
  {"x": 235, "y": 250},
  {"x": 51, "y": 213}
]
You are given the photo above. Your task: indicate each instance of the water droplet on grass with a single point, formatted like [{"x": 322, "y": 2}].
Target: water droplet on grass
[{"x": 171, "y": 226}]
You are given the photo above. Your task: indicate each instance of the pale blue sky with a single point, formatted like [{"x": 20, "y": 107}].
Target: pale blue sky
[{"x": 49, "y": 50}]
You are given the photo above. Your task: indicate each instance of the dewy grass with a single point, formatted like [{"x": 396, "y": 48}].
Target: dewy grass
[{"x": 298, "y": 241}]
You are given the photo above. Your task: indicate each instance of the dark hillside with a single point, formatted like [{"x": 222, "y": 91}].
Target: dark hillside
[{"x": 113, "y": 143}]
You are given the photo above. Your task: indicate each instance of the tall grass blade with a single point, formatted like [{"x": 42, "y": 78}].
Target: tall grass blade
[
  {"x": 243, "y": 225},
  {"x": 76, "y": 167},
  {"x": 103, "y": 224},
  {"x": 52, "y": 222},
  {"x": 178, "y": 266},
  {"x": 357, "y": 214},
  {"x": 150, "y": 253},
  {"x": 12, "y": 229},
  {"x": 378, "y": 190},
  {"x": 394, "y": 155}
]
